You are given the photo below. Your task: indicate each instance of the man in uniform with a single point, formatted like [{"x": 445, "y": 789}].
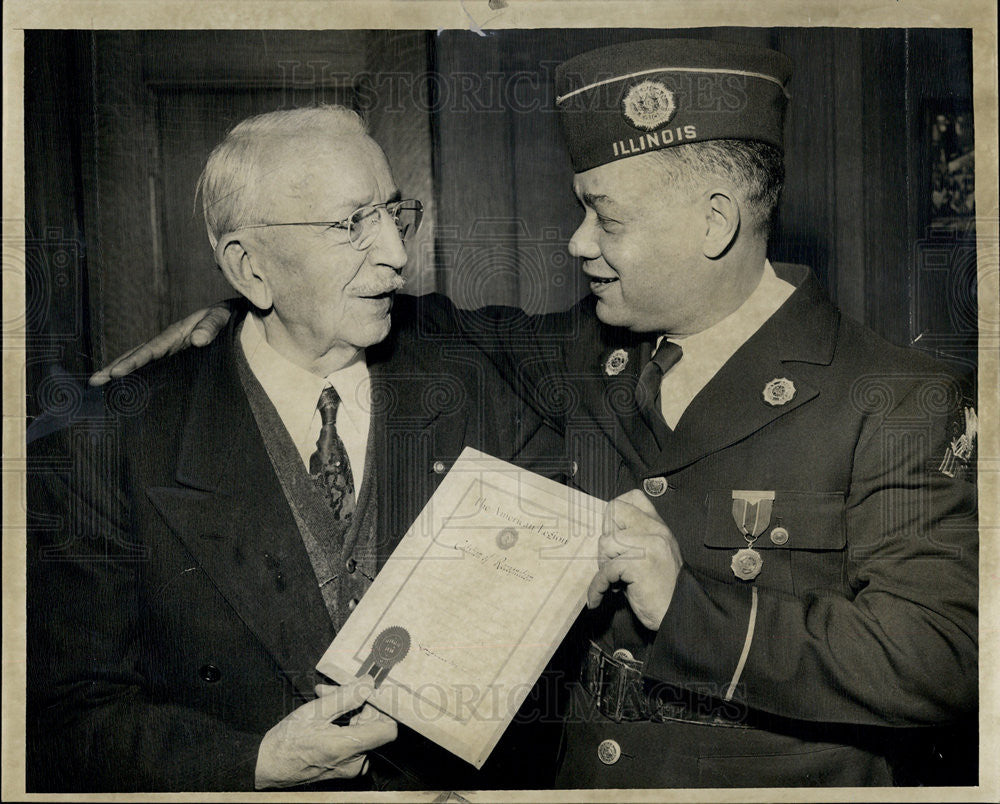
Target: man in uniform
[
  {"x": 788, "y": 584},
  {"x": 796, "y": 550}
]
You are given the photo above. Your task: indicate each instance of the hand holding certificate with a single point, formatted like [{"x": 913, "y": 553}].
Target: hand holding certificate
[{"x": 472, "y": 604}]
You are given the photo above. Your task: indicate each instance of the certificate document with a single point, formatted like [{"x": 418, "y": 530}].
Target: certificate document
[{"x": 470, "y": 607}]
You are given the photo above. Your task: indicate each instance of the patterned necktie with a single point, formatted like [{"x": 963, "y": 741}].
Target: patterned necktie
[
  {"x": 329, "y": 464},
  {"x": 647, "y": 391}
]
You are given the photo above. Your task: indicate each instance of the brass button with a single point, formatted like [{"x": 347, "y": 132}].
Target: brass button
[
  {"x": 573, "y": 469},
  {"x": 351, "y": 565},
  {"x": 609, "y": 752},
  {"x": 352, "y": 604},
  {"x": 654, "y": 486},
  {"x": 210, "y": 673},
  {"x": 438, "y": 467},
  {"x": 779, "y": 535}
]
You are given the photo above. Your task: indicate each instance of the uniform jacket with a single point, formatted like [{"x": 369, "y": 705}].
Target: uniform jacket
[
  {"x": 861, "y": 626},
  {"x": 173, "y": 614}
]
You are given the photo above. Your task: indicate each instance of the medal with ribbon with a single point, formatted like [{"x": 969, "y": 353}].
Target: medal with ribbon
[
  {"x": 752, "y": 513},
  {"x": 389, "y": 648}
]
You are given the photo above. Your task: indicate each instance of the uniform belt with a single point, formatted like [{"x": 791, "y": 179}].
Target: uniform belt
[{"x": 620, "y": 692}]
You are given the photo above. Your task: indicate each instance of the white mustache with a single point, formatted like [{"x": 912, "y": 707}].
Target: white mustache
[{"x": 370, "y": 289}]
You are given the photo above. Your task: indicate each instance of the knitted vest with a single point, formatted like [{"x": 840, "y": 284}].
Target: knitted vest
[{"x": 343, "y": 559}]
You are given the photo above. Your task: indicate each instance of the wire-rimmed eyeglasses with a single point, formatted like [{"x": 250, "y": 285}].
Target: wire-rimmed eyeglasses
[{"x": 363, "y": 225}]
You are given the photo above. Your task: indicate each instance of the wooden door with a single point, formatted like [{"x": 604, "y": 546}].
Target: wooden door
[{"x": 162, "y": 101}]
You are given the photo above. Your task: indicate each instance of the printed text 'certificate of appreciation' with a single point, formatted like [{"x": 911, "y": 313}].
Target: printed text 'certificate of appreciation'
[{"x": 472, "y": 604}]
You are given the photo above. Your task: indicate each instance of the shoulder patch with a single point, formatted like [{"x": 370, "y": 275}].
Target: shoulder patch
[{"x": 962, "y": 443}]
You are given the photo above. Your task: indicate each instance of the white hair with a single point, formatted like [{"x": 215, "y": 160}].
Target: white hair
[{"x": 234, "y": 174}]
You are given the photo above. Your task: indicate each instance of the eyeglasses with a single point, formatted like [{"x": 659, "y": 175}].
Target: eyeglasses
[{"x": 363, "y": 225}]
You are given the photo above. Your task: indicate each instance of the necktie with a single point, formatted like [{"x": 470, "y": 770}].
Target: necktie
[
  {"x": 647, "y": 391},
  {"x": 329, "y": 464}
]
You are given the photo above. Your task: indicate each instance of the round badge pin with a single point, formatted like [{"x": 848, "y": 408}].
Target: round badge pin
[
  {"x": 616, "y": 362},
  {"x": 648, "y": 105},
  {"x": 746, "y": 564},
  {"x": 779, "y": 391}
]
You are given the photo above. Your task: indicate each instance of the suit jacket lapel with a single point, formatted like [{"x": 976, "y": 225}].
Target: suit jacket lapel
[
  {"x": 403, "y": 389},
  {"x": 607, "y": 389},
  {"x": 412, "y": 395},
  {"x": 733, "y": 406},
  {"x": 228, "y": 509}
]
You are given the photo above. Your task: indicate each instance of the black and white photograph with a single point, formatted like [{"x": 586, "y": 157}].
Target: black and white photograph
[{"x": 489, "y": 403}]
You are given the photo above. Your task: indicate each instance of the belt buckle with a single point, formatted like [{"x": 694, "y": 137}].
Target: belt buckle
[
  {"x": 613, "y": 698},
  {"x": 594, "y": 671},
  {"x": 610, "y": 681}
]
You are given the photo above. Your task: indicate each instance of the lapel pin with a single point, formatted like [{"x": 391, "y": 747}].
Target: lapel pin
[
  {"x": 779, "y": 391},
  {"x": 616, "y": 362}
]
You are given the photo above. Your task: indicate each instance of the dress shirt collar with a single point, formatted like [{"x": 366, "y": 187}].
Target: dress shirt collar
[
  {"x": 294, "y": 391},
  {"x": 729, "y": 334},
  {"x": 705, "y": 352}
]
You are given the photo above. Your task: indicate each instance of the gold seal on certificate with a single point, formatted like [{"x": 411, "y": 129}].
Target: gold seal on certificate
[{"x": 389, "y": 647}]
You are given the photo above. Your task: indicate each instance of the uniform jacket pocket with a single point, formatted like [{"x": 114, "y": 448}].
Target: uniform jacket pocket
[{"x": 802, "y": 545}]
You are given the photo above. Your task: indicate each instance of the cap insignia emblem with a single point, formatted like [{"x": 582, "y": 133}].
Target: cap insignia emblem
[{"x": 648, "y": 105}]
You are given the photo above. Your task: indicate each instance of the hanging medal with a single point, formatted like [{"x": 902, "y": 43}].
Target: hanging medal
[{"x": 752, "y": 514}]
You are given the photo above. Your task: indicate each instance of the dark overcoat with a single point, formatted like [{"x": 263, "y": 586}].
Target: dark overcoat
[{"x": 173, "y": 614}]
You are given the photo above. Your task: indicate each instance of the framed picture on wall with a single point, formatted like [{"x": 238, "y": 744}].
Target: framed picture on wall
[{"x": 951, "y": 156}]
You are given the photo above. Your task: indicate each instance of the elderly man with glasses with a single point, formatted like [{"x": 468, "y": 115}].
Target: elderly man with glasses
[{"x": 209, "y": 543}]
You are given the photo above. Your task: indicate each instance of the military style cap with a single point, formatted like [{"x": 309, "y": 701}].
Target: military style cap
[{"x": 624, "y": 100}]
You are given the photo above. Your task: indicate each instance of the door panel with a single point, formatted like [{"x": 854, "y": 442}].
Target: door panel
[
  {"x": 189, "y": 122},
  {"x": 163, "y": 99}
]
